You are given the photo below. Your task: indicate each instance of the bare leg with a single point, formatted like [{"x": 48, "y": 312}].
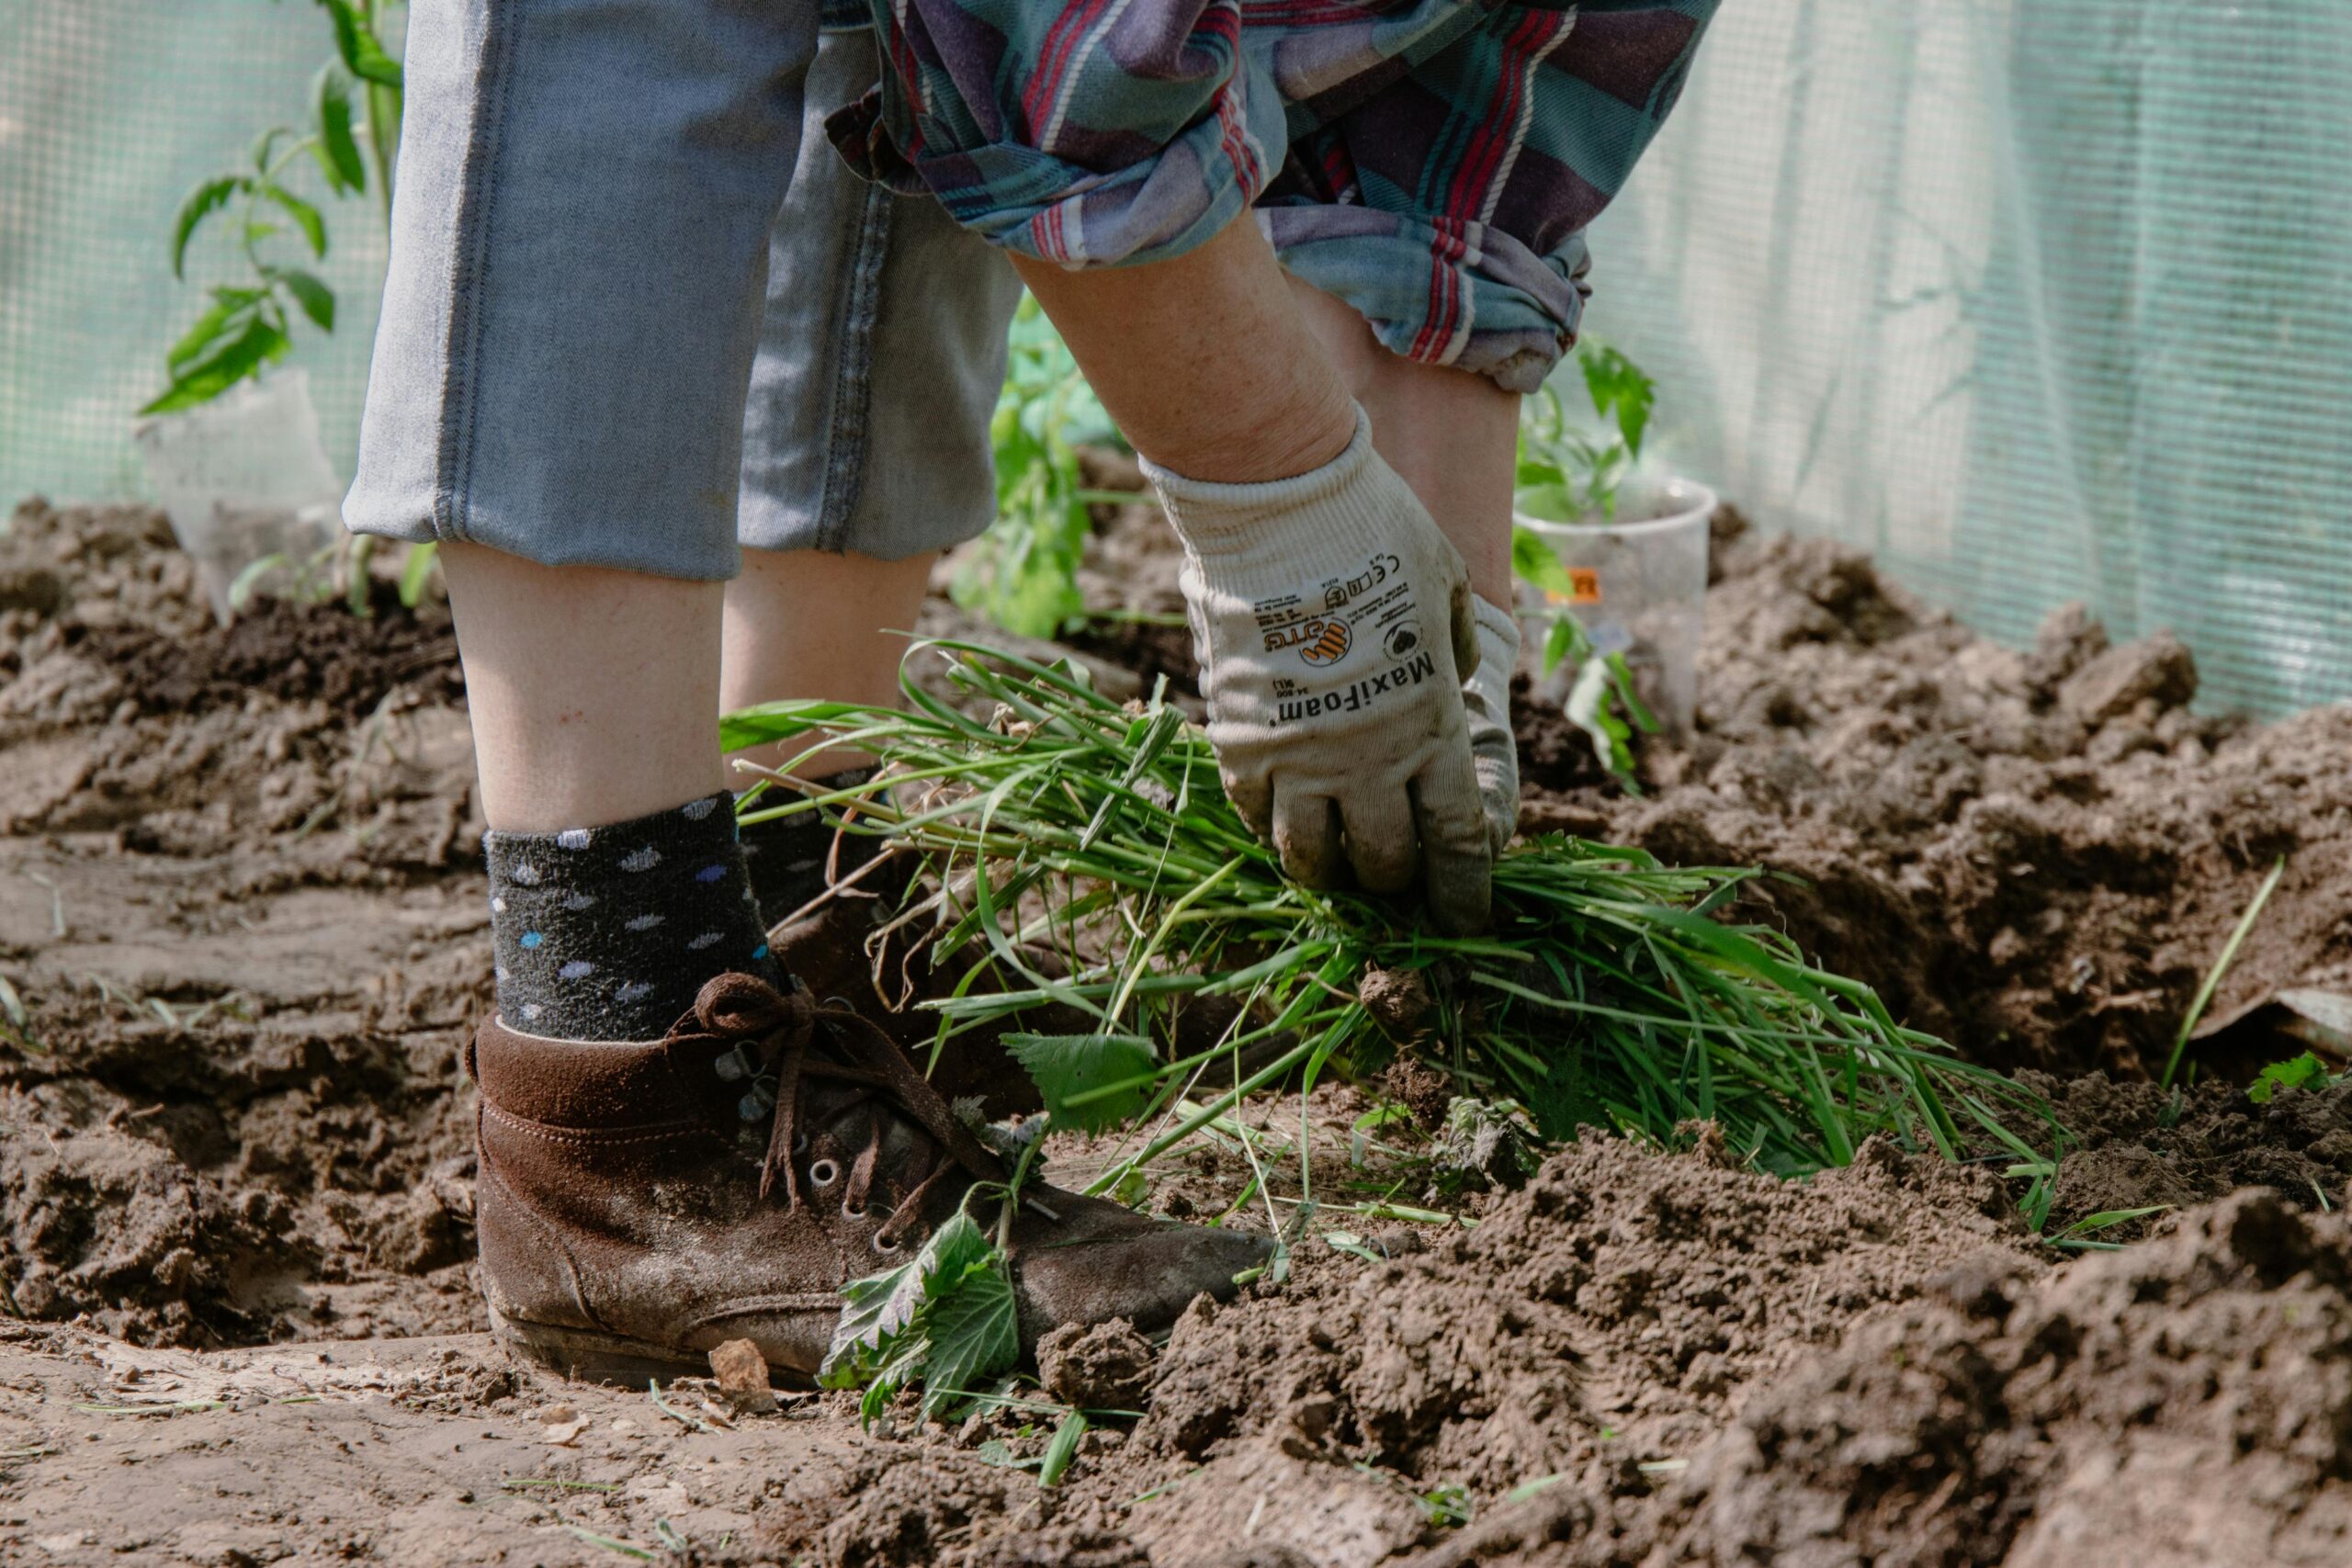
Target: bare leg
[
  {"x": 1452, "y": 435},
  {"x": 591, "y": 690},
  {"x": 1205, "y": 361},
  {"x": 813, "y": 624}
]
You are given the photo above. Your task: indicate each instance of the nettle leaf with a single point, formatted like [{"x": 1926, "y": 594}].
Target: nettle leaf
[
  {"x": 873, "y": 1310},
  {"x": 975, "y": 1334},
  {"x": 357, "y": 43},
  {"x": 197, "y": 205},
  {"x": 1068, "y": 1065},
  {"x": 315, "y": 297},
  {"x": 305, "y": 216},
  {"x": 947, "y": 1318},
  {"x": 337, "y": 148}
]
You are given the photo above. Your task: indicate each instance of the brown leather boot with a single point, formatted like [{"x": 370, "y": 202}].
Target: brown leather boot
[{"x": 641, "y": 1203}]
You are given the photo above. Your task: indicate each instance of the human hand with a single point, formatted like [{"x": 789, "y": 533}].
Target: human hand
[{"x": 1332, "y": 622}]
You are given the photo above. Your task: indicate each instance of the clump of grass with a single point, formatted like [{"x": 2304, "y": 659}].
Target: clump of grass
[{"x": 1081, "y": 852}]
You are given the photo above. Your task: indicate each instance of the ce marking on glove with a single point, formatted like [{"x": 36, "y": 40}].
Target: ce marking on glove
[{"x": 1340, "y": 591}]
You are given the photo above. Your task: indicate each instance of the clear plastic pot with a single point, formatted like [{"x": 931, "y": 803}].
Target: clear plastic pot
[
  {"x": 245, "y": 479},
  {"x": 1637, "y": 584}
]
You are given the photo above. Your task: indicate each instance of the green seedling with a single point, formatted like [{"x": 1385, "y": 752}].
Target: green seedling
[
  {"x": 1446, "y": 1504},
  {"x": 1061, "y": 1450},
  {"x": 2299, "y": 1072},
  {"x": 1572, "y": 474},
  {"x": 2204, "y": 997},
  {"x": 2076, "y": 1238},
  {"x": 626, "y": 1548},
  {"x": 692, "y": 1423},
  {"x": 354, "y": 103},
  {"x": 1605, "y": 993},
  {"x": 1023, "y": 574}
]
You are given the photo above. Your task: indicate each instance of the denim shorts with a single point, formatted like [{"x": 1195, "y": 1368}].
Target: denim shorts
[
  {"x": 638, "y": 314},
  {"x": 630, "y": 279}
]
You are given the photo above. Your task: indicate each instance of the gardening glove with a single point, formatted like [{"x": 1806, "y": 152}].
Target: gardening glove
[
  {"x": 1332, "y": 621},
  {"x": 1487, "y": 693}
]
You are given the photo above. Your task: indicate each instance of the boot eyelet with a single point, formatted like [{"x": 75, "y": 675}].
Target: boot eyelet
[
  {"x": 823, "y": 1173},
  {"x": 886, "y": 1242},
  {"x": 850, "y": 1213}
]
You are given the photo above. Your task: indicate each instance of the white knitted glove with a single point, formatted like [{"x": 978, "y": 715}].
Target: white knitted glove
[
  {"x": 1487, "y": 693},
  {"x": 1332, "y": 621}
]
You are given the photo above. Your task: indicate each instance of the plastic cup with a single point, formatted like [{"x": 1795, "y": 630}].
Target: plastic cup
[
  {"x": 1640, "y": 589},
  {"x": 245, "y": 479}
]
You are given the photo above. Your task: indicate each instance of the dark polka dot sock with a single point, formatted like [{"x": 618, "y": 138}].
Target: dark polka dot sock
[
  {"x": 787, "y": 855},
  {"x": 606, "y": 933}
]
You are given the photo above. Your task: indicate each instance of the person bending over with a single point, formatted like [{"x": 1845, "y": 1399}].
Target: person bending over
[{"x": 690, "y": 411}]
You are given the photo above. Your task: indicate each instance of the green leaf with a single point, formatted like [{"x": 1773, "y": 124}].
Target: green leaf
[
  {"x": 197, "y": 338},
  {"x": 975, "y": 1331},
  {"x": 337, "y": 148},
  {"x": 1562, "y": 643},
  {"x": 1082, "y": 1067},
  {"x": 305, "y": 216},
  {"x": 1619, "y": 388},
  {"x": 947, "y": 1318},
  {"x": 2291, "y": 1073},
  {"x": 1062, "y": 1450},
  {"x": 198, "y": 204},
  {"x": 264, "y": 146},
  {"x": 357, "y": 43},
  {"x": 1535, "y": 562},
  {"x": 416, "y": 571},
  {"x": 1551, "y": 502},
  {"x": 249, "y": 580},
  {"x": 209, "y": 377},
  {"x": 875, "y": 1308},
  {"x": 315, "y": 297}
]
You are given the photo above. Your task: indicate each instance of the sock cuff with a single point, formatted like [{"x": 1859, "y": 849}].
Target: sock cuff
[
  {"x": 608, "y": 933},
  {"x": 668, "y": 828}
]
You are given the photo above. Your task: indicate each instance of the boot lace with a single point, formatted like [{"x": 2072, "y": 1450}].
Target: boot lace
[{"x": 785, "y": 1028}]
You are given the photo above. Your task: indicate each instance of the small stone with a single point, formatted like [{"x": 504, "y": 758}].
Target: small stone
[
  {"x": 1399, "y": 1000},
  {"x": 564, "y": 1434},
  {"x": 742, "y": 1376},
  {"x": 2158, "y": 668}
]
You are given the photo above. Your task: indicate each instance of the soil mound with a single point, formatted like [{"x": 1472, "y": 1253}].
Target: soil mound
[
  {"x": 2036, "y": 855},
  {"x": 2187, "y": 1402}
]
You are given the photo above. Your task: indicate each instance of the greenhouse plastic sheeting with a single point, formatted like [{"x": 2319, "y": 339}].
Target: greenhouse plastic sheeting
[
  {"x": 2038, "y": 299},
  {"x": 110, "y": 110}
]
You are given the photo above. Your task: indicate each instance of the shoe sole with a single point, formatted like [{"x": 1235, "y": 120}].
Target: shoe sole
[{"x": 585, "y": 1355}]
